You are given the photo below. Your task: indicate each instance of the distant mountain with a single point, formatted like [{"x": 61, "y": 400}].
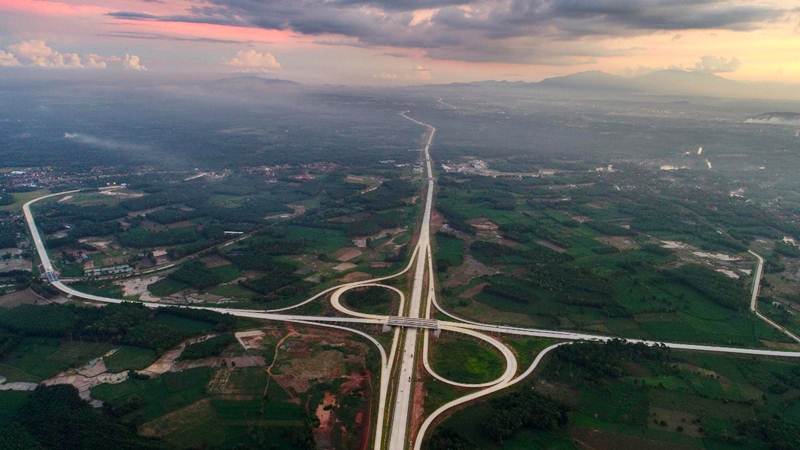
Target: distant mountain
[
  {"x": 688, "y": 83},
  {"x": 662, "y": 82},
  {"x": 251, "y": 82},
  {"x": 592, "y": 80},
  {"x": 777, "y": 118}
]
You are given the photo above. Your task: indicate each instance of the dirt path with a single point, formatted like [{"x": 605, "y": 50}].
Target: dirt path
[{"x": 290, "y": 334}]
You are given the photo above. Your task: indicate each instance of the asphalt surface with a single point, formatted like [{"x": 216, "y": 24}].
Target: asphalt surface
[{"x": 398, "y": 436}]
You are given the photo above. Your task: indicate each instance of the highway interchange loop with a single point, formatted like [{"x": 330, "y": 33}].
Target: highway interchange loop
[{"x": 410, "y": 313}]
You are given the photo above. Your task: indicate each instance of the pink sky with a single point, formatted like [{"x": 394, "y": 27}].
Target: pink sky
[{"x": 373, "y": 44}]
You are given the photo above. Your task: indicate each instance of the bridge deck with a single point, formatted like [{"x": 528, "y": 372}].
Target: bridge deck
[{"x": 412, "y": 322}]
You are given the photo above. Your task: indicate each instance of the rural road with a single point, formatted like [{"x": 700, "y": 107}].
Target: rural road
[{"x": 397, "y": 424}]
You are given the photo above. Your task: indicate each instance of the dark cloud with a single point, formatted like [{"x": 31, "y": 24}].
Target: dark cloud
[
  {"x": 484, "y": 30},
  {"x": 169, "y": 37},
  {"x": 403, "y": 5}
]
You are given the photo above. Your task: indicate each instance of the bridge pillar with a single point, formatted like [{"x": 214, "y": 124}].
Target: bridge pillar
[
  {"x": 437, "y": 332},
  {"x": 386, "y": 328}
]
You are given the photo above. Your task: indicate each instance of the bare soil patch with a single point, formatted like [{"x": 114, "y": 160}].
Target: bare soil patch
[
  {"x": 355, "y": 276},
  {"x": 25, "y": 297},
  {"x": 469, "y": 269},
  {"x": 619, "y": 242},
  {"x": 604, "y": 440},
  {"x": 347, "y": 253},
  {"x": 215, "y": 261}
]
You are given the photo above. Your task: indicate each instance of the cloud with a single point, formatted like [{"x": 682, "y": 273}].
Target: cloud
[
  {"x": 8, "y": 59},
  {"x": 254, "y": 61},
  {"x": 388, "y": 76},
  {"x": 717, "y": 64},
  {"x": 416, "y": 73},
  {"x": 133, "y": 62},
  {"x": 105, "y": 143},
  {"x": 170, "y": 37},
  {"x": 480, "y": 30},
  {"x": 36, "y": 53},
  {"x": 422, "y": 73}
]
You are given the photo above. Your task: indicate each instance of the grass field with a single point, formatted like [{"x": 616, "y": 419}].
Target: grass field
[
  {"x": 226, "y": 273},
  {"x": 103, "y": 288},
  {"x": 526, "y": 348},
  {"x": 130, "y": 358},
  {"x": 371, "y": 300},
  {"x": 449, "y": 251},
  {"x": 183, "y": 409},
  {"x": 465, "y": 359},
  {"x": 35, "y": 359},
  {"x": 156, "y": 396},
  {"x": 165, "y": 287},
  {"x": 322, "y": 240},
  {"x": 21, "y": 198},
  {"x": 234, "y": 291}
]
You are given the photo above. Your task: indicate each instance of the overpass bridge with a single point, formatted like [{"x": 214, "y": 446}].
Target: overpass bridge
[{"x": 412, "y": 322}]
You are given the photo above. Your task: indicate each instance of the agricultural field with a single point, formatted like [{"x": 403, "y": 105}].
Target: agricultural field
[
  {"x": 186, "y": 378},
  {"x": 624, "y": 396},
  {"x": 562, "y": 251},
  {"x": 307, "y": 389},
  {"x": 251, "y": 237}
]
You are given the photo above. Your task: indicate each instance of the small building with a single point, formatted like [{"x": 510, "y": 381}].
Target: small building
[
  {"x": 122, "y": 269},
  {"x": 160, "y": 256}
]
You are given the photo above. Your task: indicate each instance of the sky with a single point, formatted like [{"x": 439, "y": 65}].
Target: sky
[{"x": 396, "y": 42}]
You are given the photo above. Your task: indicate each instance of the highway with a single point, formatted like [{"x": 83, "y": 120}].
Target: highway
[
  {"x": 408, "y": 323},
  {"x": 398, "y": 436}
]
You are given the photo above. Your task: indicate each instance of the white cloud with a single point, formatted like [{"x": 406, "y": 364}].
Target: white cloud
[
  {"x": 132, "y": 62},
  {"x": 36, "y": 53},
  {"x": 8, "y": 59},
  {"x": 417, "y": 73},
  {"x": 386, "y": 76},
  {"x": 95, "y": 61},
  {"x": 422, "y": 73},
  {"x": 254, "y": 61},
  {"x": 717, "y": 64}
]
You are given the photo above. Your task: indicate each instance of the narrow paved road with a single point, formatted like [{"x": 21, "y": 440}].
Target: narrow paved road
[{"x": 754, "y": 299}]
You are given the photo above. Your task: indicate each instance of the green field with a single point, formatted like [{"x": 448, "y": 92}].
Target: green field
[
  {"x": 190, "y": 415},
  {"x": 103, "y": 288},
  {"x": 465, "y": 359},
  {"x": 156, "y": 396},
  {"x": 371, "y": 300},
  {"x": 449, "y": 252},
  {"x": 620, "y": 397},
  {"x": 322, "y": 240},
  {"x": 165, "y": 287},
  {"x": 594, "y": 261},
  {"x": 21, "y": 198},
  {"x": 130, "y": 358},
  {"x": 35, "y": 359}
]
